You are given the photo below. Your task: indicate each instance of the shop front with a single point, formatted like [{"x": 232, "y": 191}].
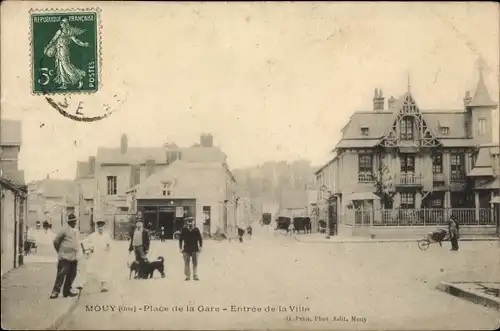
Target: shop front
[{"x": 166, "y": 213}]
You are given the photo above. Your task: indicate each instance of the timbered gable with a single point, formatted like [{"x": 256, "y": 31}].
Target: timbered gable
[{"x": 409, "y": 129}]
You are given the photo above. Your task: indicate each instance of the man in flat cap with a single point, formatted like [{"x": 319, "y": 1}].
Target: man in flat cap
[
  {"x": 97, "y": 247},
  {"x": 190, "y": 245},
  {"x": 67, "y": 246}
]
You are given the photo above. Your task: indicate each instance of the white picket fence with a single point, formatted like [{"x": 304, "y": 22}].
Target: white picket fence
[{"x": 419, "y": 217}]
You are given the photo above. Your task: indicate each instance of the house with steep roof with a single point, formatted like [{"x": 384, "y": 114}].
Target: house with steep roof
[
  {"x": 119, "y": 171},
  {"x": 404, "y": 158},
  {"x": 203, "y": 190}
]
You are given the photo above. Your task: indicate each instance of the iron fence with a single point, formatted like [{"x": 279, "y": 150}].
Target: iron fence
[{"x": 423, "y": 217}]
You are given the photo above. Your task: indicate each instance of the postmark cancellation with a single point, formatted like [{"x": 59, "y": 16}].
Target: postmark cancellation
[{"x": 65, "y": 51}]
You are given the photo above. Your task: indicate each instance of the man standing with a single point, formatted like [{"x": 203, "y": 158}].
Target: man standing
[
  {"x": 454, "y": 233},
  {"x": 98, "y": 245},
  {"x": 139, "y": 244},
  {"x": 67, "y": 245},
  {"x": 191, "y": 237}
]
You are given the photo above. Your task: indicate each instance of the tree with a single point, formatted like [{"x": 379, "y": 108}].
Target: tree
[{"x": 382, "y": 180}]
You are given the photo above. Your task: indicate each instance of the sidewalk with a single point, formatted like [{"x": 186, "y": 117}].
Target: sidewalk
[
  {"x": 343, "y": 239},
  {"x": 25, "y": 299}
]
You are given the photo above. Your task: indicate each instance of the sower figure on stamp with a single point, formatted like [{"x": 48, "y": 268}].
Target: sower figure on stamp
[
  {"x": 67, "y": 246},
  {"x": 193, "y": 243},
  {"x": 59, "y": 48},
  {"x": 97, "y": 247},
  {"x": 139, "y": 244}
]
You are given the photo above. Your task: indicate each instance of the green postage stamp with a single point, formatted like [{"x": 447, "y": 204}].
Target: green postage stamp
[{"x": 65, "y": 51}]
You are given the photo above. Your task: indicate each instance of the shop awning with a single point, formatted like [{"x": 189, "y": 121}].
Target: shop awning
[{"x": 361, "y": 196}]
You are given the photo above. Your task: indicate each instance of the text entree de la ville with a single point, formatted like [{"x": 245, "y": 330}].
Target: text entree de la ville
[{"x": 196, "y": 308}]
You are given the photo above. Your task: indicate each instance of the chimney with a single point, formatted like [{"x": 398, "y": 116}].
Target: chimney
[
  {"x": 390, "y": 102},
  {"x": 206, "y": 140},
  {"x": 124, "y": 144},
  {"x": 378, "y": 100},
  {"x": 467, "y": 99},
  {"x": 91, "y": 165},
  {"x": 150, "y": 167}
]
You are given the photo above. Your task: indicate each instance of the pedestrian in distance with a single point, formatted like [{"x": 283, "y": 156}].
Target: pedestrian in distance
[
  {"x": 241, "y": 232},
  {"x": 97, "y": 247},
  {"x": 190, "y": 245},
  {"x": 67, "y": 246},
  {"x": 46, "y": 226},
  {"x": 139, "y": 244},
  {"x": 162, "y": 234},
  {"x": 249, "y": 231},
  {"x": 453, "y": 230}
]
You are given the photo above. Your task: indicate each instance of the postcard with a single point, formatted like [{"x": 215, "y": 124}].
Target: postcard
[{"x": 250, "y": 165}]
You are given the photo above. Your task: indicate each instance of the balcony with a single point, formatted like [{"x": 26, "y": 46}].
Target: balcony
[
  {"x": 457, "y": 177},
  {"x": 365, "y": 177},
  {"x": 408, "y": 179}
]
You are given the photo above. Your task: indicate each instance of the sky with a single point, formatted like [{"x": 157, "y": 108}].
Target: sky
[{"x": 270, "y": 81}]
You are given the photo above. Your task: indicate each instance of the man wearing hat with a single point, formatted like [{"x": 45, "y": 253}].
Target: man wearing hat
[
  {"x": 453, "y": 230},
  {"x": 97, "y": 247},
  {"x": 191, "y": 237},
  {"x": 67, "y": 246}
]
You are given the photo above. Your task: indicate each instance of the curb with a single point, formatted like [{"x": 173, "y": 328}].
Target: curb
[
  {"x": 61, "y": 319},
  {"x": 473, "y": 296},
  {"x": 373, "y": 241}
]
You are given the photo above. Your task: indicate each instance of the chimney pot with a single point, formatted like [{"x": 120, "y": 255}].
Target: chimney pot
[{"x": 378, "y": 100}]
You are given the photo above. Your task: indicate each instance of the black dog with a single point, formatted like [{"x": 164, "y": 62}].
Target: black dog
[{"x": 148, "y": 268}]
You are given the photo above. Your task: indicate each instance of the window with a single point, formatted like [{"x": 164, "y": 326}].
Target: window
[
  {"x": 123, "y": 209},
  {"x": 406, "y": 128},
  {"x": 407, "y": 163},
  {"x": 111, "y": 185},
  {"x": 437, "y": 163},
  {"x": 365, "y": 167},
  {"x": 364, "y": 131},
  {"x": 445, "y": 130},
  {"x": 457, "y": 167},
  {"x": 437, "y": 203},
  {"x": 407, "y": 200},
  {"x": 481, "y": 126}
]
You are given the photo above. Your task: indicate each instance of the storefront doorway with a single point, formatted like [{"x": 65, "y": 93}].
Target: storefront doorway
[{"x": 167, "y": 221}]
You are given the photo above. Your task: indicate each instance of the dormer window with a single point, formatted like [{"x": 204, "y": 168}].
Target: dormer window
[
  {"x": 445, "y": 130},
  {"x": 365, "y": 131}
]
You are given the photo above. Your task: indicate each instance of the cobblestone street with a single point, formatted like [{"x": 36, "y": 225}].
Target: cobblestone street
[{"x": 389, "y": 285}]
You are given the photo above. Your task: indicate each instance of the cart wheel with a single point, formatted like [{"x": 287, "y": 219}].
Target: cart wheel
[{"x": 423, "y": 244}]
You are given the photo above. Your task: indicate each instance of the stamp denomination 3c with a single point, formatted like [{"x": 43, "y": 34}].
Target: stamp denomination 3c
[{"x": 65, "y": 51}]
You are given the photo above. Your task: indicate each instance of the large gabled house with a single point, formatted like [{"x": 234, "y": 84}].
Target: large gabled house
[{"x": 408, "y": 158}]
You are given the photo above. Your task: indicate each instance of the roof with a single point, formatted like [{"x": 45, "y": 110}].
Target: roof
[
  {"x": 481, "y": 96},
  {"x": 12, "y": 185},
  {"x": 16, "y": 177},
  {"x": 179, "y": 173},
  {"x": 484, "y": 164},
  {"x": 10, "y": 133},
  {"x": 378, "y": 122},
  {"x": 481, "y": 172},
  {"x": 134, "y": 155}
]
